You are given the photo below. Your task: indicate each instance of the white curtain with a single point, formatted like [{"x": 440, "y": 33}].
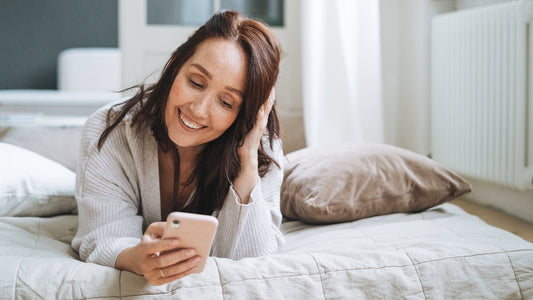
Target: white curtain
[{"x": 341, "y": 71}]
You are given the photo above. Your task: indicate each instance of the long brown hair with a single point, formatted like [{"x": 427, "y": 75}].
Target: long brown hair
[{"x": 218, "y": 163}]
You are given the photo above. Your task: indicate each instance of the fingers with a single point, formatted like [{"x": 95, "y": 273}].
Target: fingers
[
  {"x": 271, "y": 99},
  {"x": 160, "y": 259},
  {"x": 248, "y": 151},
  {"x": 187, "y": 263},
  {"x": 171, "y": 258},
  {"x": 156, "y": 246},
  {"x": 264, "y": 111},
  {"x": 182, "y": 267},
  {"x": 169, "y": 278},
  {"x": 151, "y": 242},
  {"x": 154, "y": 231},
  {"x": 267, "y": 106}
]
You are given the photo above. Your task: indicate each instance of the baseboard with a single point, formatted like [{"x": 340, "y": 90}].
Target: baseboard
[{"x": 514, "y": 202}]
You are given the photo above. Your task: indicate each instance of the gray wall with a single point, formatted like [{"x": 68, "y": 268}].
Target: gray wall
[{"x": 32, "y": 33}]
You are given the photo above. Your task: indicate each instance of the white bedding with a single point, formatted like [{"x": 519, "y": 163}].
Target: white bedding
[{"x": 442, "y": 253}]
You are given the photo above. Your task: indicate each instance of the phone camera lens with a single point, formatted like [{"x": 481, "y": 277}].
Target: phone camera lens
[{"x": 175, "y": 223}]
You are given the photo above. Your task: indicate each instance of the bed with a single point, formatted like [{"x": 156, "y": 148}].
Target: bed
[
  {"x": 442, "y": 253},
  {"x": 361, "y": 221}
]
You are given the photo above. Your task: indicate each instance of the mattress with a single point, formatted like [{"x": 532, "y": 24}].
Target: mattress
[{"x": 441, "y": 253}]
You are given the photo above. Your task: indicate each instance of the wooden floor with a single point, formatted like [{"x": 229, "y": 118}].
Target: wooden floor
[{"x": 498, "y": 218}]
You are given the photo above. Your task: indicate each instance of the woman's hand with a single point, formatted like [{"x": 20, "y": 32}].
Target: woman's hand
[
  {"x": 157, "y": 259},
  {"x": 248, "y": 151},
  {"x": 249, "y": 176}
]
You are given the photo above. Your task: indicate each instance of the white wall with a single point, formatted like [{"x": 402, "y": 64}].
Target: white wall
[{"x": 405, "y": 29}]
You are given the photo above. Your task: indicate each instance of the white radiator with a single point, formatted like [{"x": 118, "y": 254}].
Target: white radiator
[{"x": 481, "y": 92}]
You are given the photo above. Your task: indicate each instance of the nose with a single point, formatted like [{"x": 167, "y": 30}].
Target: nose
[{"x": 200, "y": 107}]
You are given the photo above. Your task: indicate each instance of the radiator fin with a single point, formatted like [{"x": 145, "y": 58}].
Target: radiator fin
[{"x": 480, "y": 77}]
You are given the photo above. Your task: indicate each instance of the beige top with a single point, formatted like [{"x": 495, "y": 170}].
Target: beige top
[{"x": 117, "y": 190}]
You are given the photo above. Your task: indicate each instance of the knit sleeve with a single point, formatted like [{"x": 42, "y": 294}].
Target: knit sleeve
[
  {"x": 107, "y": 195},
  {"x": 253, "y": 229}
]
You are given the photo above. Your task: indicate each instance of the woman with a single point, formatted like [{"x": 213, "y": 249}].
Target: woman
[{"x": 203, "y": 139}]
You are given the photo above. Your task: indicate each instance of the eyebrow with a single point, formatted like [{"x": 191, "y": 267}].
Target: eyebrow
[
  {"x": 203, "y": 70},
  {"x": 235, "y": 91},
  {"x": 208, "y": 75}
]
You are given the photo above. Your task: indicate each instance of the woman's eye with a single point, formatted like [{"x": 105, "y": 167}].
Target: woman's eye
[
  {"x": 196, "y": 84},
  {"x": 226, "y": 104}
]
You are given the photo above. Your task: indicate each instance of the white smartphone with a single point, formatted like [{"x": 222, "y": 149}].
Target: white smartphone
[{"x": 194, "y": 231}]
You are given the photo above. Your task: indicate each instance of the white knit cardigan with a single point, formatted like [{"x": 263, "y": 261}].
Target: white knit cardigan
[{"x": 117, "y": 191}]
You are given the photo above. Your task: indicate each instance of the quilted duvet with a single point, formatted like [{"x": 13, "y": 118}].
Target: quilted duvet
[{"x": 442, "y": 253}]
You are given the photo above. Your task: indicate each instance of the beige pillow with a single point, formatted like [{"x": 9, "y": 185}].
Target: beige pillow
[{"x": 350, "y": 182}]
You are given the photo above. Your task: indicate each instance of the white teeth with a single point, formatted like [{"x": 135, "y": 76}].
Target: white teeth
[{"x": 189, "y": 123}]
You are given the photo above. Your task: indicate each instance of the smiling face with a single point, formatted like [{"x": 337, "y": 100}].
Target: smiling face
[{"x": 206, "y": 95}]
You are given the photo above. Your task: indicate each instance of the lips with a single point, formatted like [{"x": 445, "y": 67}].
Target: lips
[{"x": 190, "y": 123}]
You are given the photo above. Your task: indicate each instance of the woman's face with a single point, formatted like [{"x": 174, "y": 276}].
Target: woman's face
[{"x": 207, "y": 94}]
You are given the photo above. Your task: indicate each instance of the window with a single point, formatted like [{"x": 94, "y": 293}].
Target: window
[{"x": 196, "y": 12}]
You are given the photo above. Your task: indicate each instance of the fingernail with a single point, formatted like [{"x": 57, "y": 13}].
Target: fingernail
[{"x": 190, "y": 252}]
